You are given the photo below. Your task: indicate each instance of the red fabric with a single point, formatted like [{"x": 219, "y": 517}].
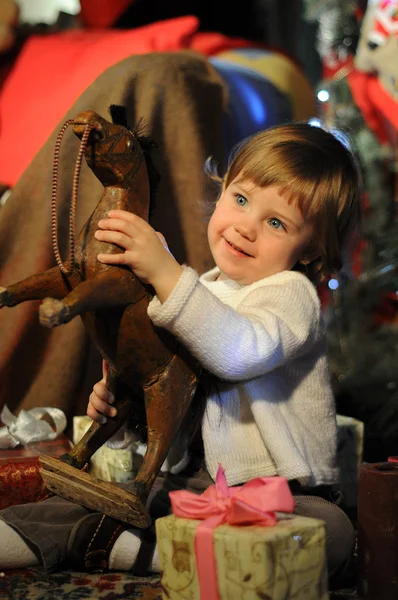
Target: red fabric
[
  {"x": 213, "y": 43},
  {"x": 102, "y": 13},
  {"x": 20, "y": 480},
  {"x": 377, "y": 107},
  {"x": 331, "y": 67},
  {"x": 52, "y": 71}
]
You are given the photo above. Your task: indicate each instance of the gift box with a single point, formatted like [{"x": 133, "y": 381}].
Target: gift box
[
  {"x": 280, "y": 562},
  {"x": 236, "y": 544},
  {"x": 20, "y": 480},
  {"x": 350, "y": 434},
  {"x": 108, "y": 464}
]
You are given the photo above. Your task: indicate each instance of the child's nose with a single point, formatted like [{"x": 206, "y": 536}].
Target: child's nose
[{"x": 247, "y": 231}]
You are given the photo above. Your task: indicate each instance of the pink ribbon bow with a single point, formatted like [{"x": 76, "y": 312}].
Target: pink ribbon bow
[{"x": 253, "y": 503}]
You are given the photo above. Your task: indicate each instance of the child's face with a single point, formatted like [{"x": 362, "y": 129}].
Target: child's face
[{"x": 255, "y": 232}]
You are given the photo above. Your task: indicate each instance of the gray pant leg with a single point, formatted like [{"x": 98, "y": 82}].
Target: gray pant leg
[
  {"x": 45, "y": 527},
  {"x": 340, "y": 534}
]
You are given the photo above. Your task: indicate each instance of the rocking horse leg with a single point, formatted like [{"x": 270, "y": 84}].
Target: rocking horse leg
[
  {"x": 63, "y": 476},
  {"x": 165, "y": 407},
  {"x": 106, "y": 290},
  {"x": 35, "y": 287}
]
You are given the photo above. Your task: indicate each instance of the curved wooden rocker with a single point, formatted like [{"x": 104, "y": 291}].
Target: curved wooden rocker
[{"x": 151, "y": 374}]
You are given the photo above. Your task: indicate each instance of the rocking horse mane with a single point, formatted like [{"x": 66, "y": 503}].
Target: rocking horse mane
[{"x": 119, "y": 117}]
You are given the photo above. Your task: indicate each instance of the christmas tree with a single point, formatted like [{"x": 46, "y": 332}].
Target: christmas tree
[{"x": 362, "y": 309}]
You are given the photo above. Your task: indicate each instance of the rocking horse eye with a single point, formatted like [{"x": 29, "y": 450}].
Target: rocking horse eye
[{"x": 99, "y": 136}]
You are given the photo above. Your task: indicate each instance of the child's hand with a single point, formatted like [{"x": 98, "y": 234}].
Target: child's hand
[
  {"x": 100, "y": 399},
  {"x": 145, "y": 251}
]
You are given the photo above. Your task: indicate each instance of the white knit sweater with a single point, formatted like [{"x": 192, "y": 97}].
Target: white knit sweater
[{"x": 273, "y": 412}]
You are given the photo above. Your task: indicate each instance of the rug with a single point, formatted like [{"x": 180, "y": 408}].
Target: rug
[{"x": 33, "y": 584}]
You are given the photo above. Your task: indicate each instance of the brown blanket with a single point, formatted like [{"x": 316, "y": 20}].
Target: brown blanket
[{"x": 181, "y": 99}]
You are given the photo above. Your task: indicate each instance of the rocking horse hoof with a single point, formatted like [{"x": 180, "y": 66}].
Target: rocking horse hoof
[
  {"x": 53, "y": 312},
  {"x": 4, "y": 297}
]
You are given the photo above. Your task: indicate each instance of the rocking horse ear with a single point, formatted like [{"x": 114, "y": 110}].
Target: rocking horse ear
[{"x": 119, "y": 115}]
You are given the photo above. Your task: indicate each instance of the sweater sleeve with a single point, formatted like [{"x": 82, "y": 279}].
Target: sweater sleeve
[{"x": 272, "y": 325}]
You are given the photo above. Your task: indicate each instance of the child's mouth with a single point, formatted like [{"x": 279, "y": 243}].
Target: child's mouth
[{"x": 237, "y": 249}]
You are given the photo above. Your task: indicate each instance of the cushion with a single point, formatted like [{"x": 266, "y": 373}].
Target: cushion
[
  {"x": 255, "y": 103},
  {"x": 281, "y": 72},
  {"x": 53, "y": 70}
]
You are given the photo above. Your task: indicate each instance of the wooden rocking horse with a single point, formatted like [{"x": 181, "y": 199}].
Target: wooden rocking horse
[{"x": 150, "y": 373}]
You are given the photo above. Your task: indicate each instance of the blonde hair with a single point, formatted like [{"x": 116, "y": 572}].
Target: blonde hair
[{"x": 318, "y": 172}]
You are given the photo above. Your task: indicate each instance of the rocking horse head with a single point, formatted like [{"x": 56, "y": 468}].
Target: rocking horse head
[
  {"x": 114, "y": 153},
  {"x": 120, "y": 158}
]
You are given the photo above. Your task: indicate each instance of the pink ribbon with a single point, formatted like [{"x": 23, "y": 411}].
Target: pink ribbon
[{"x": 253, "y": 503}]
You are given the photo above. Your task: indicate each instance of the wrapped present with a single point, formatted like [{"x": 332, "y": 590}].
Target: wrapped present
[
  {"x": 350, "y": 433},
  {"x": 20, "y": 480},
  {"x": 238, "y": 547},
  {"x": 23, "y": 439},
  {"x": 108, "y": 464}
]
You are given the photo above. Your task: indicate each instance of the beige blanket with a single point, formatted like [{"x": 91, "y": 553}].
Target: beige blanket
[{"x": 181, "y": 99}]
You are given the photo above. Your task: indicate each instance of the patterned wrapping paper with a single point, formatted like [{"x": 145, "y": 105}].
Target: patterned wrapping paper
[
  {"x": 287, "y": 561},
  {"x": 108, "y": 464},
  {"x": 20, "y": 480}
]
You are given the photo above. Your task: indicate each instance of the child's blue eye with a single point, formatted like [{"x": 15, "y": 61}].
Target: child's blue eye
[
  {"x": 276, "y": 223},
  {"x": 241, "y": 200}
]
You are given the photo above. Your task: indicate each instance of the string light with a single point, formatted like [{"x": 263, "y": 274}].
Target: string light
[
  {"x": 333, "y": 284},
  {"x": 323, "y": 95}
]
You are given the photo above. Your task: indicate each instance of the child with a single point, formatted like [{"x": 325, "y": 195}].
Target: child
[{"x": 288, "y": 206}]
